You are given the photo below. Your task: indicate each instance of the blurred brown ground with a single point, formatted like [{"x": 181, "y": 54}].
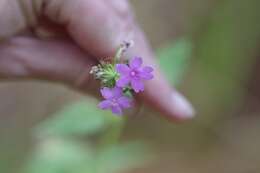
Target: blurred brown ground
[{"x": 222, "y": 139}]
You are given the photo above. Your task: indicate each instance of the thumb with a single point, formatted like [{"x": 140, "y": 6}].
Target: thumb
[{"x": 52, "y": 60}]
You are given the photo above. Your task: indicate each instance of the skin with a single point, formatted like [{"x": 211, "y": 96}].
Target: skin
[{"x": 60, "y": 40}]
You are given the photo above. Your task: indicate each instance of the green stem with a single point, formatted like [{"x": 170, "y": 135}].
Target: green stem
[
  {"x": 118, "y": 54},
  {"x": 122, "y": 48}
]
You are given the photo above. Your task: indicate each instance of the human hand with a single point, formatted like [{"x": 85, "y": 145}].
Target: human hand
[{"x": 60, "y": 41}]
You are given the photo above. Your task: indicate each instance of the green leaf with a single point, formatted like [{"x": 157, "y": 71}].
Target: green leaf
[
  {"x": 60, "y": 156},
  {"x": 173, "y": 59},
  {"x": 118, "y": 158},
  {"x": 82, "y": 118},
  {"x": 57, "y": 152},
  {"x": 55, "y": 155}
]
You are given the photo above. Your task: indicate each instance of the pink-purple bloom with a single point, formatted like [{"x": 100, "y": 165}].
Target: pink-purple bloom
[
  {"x": 120, "y": 81},
  {"x": 133, "y": 74},
  {"x": 114, "y": 100}
]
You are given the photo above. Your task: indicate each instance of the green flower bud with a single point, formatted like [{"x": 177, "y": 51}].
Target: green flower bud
[{"x": 106, "y": 73}]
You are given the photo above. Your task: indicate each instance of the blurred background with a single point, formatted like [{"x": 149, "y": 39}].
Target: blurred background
[{"x": 209, "y": 50}]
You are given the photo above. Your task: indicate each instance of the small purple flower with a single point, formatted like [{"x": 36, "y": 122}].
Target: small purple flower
[
  {"x": 114, "y": 100},
  {"x": 133, "y": 74}
]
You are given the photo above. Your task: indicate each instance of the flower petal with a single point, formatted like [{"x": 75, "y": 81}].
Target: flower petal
[
  {"x": 137, "y": 85},
  {"x": 136, "y": 62},
  {"x": 147, "y": 69},
  {"x": 105, "y": 104},
  {"x": 145, "y": 75},
  {"x": 123, "y": 81},
  {"x": 117, "y": 92},
  {"x": 123, "y": 69},
  {"x": 107, "y": 93},
  {"x": 116, "y": 110},
  {"x": 124, "y": 102}
]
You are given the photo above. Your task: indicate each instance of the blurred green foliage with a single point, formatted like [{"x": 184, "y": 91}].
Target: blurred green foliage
[
  {"x": 174, "y": 57},
  {"x": 225, "y": 50},
  {"x": 61, "y": 156},
  {"x": 65, "y": 143},
  {"x": 55, "y": 155},
  {"x": 83, "y": 139},
  {"x": 79, "y": 119}
]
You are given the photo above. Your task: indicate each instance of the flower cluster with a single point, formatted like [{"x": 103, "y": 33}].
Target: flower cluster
[{"x": 120, "y": 80}]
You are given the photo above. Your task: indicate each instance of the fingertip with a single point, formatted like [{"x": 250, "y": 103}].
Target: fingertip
[
  {"x": 183, "y": 109},
  {"x": 172, "y": 105}
]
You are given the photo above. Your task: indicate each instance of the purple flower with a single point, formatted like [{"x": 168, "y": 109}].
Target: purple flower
[
  {"x": 114, "y": 100},
  {"x": 133, "y": 74}
]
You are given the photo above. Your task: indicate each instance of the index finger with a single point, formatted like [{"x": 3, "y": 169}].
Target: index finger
[{"x": 158, "y": 92}]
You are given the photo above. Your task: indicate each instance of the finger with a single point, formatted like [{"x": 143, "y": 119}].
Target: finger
[
  {"x": 94, "y": 25},
  {"x": 53, "y": 60},
  {"x": 23, "y": 58},
  {"x": 168, "y": 101},
  {"x": 158, "y": 92},
  {"x": 99, "y": 29}
]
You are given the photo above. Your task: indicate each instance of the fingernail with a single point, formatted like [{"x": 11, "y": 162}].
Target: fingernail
[{"x": 182, "y": 107}]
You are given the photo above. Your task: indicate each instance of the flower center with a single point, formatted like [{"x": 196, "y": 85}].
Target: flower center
[
  {"x": 132, "y": 73},
  {"x": 114, "y": 102}
]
